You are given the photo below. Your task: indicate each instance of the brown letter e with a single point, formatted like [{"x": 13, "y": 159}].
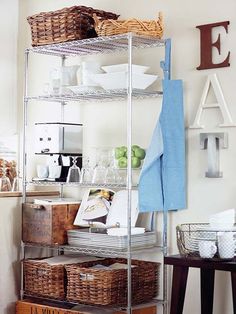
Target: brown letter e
[{"x": 207, "y": 44}]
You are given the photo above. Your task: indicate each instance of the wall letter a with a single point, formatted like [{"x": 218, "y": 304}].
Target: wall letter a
[{"x": 221, "y": 103}]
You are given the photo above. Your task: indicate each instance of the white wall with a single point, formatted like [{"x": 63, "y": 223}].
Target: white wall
[
  {"x": 10, "y": 214},
  {"x": 205, "y": 196},
  {"x": 10, "y": 234},
  {"x": 8, "y": 65}
]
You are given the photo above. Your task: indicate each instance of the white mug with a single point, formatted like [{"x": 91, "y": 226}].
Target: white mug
[
  {"x": 42, "y": 171},
  {"x": 54, "y": 171},
  {"x": 207, "y": 249},
  {"x": 226, "y": 244}
]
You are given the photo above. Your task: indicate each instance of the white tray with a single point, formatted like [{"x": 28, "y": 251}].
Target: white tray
[{"x": 78, "y": 238}]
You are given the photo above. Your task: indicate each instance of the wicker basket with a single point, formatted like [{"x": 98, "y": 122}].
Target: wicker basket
[
  {"x": 64, "y": 25},
  {"x": 44, "y": 280},
  {"x": 109, "y": 287},
  {"x": 112, "y": 27}
]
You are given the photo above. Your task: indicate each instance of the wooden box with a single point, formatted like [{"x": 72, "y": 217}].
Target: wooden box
[
  {"x": 28, "y": 307},
  {"x": 47, "y": 224}
]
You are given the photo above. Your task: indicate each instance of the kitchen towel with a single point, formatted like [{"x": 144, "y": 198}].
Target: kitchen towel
[{"x": 162, "y": 179}]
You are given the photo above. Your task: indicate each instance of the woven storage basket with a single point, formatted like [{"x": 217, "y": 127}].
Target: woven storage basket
[
  {"x": 140, "y": 27},
  {"x": 109, "y": 287},
  {"x": 44, "y": 280},
  {"x": 64, "y": 25}
]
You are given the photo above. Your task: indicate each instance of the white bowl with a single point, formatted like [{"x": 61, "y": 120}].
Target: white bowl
[
  {"x": 119, "y": 80},
  {"x": 124, "y": 68}
]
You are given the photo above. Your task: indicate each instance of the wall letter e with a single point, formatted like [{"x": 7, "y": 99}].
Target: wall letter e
[{"x": 207, "y": 45}]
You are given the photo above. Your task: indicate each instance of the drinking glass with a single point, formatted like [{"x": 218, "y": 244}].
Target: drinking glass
[
  {"x": 112, "y": 174},
  {"x": 74, "y": 172},
  {"x": 100, "y": 167},
  {"x": 86, "y": 171},
  {"x": 55, "y": 78},
  {"x": 5, "y": 184},
  {"x": 17, "y": 182}
]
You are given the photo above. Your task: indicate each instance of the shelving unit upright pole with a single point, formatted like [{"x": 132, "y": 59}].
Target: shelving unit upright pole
[
  {"x": 25, "y": 117},
  {"x": 63, "y": 104},
  {"x": 129, "y": 169},
  {"x": 165, "y": 65}
]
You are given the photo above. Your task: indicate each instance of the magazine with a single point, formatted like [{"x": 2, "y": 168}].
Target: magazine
[
  {"x": 104, "y": 208},
  {"x": 94, "y": 207}
]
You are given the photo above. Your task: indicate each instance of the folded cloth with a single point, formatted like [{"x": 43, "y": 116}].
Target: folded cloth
[{"x": 162, "y": 179}]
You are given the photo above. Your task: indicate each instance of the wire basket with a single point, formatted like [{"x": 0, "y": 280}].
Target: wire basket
[
  {"x": 152, "y": 28},
  {"x": 65, "y": 25},
  {"x": 200, "y": 239}
]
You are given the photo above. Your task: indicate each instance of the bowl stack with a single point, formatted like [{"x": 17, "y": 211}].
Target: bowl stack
[{"x": 116, "y": 77}]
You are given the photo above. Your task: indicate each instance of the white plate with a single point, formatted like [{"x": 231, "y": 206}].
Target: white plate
[{"x": 78, "y": 89}]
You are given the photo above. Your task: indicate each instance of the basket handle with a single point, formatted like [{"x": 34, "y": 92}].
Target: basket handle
[
  {"x": 36, "y": 206},
  {"x": 96, "y": 21},
  {"x": 87, "y": 277}
]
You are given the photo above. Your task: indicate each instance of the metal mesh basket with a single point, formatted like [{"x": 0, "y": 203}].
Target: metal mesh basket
[{"x": 200, "y": 239}]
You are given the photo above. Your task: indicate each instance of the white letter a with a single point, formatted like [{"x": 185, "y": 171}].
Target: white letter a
[{"x": 221, "y": 103}]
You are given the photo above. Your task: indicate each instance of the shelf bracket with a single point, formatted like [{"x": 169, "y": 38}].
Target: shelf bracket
[{"x": 165, "y": 65}]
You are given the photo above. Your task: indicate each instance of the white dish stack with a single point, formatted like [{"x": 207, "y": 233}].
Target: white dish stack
[{"x": 116, "y": 77}]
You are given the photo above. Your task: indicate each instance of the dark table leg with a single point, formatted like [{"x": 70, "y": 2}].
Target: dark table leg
[
  {"x": 179, "y": 281},
  {"x": 207, "y": 290},
  {"x": 233, "y": 281}
]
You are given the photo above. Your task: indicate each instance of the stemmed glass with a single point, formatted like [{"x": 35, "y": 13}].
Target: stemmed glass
[
  {"x": 86, "y": 171},
  {"x": 74, "y": 172},
  {"x": 112, "y": 174},
  {"x": 16, "y": 183},
  {"x": 100, "y": 167},
  {"x": 5, "y": 184}
]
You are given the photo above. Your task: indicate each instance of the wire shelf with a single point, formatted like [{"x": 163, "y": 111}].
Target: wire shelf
[
  {"x": 97, "y": 45},
  {"x": 98, "y": 95},
  {"x": 96, "y": 251},
  {"x": 77, "y": 184}
]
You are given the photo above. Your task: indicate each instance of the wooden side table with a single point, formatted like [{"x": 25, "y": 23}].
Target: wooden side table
[{"x": 207, "y": 272}]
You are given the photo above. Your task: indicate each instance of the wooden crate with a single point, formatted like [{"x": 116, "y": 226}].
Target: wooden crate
[
  {"x": 27, "y": 307},
  {"x": 47, "y": 224}
]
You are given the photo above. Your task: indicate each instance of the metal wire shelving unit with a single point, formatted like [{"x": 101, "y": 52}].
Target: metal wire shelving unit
[{"x": 100, "y": 45}]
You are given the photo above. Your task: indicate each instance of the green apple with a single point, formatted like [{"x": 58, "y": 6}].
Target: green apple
[
  {"x": 122, "y": 162},
  {"x": 123, "y": 148},
  {"x": 140, "y": 153},
  {"x": 119, "y": 152},
  {"x": 132, "y": 154},
  {"x": 135, "y": 162},
  {"x": 133, "y": 147}
]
